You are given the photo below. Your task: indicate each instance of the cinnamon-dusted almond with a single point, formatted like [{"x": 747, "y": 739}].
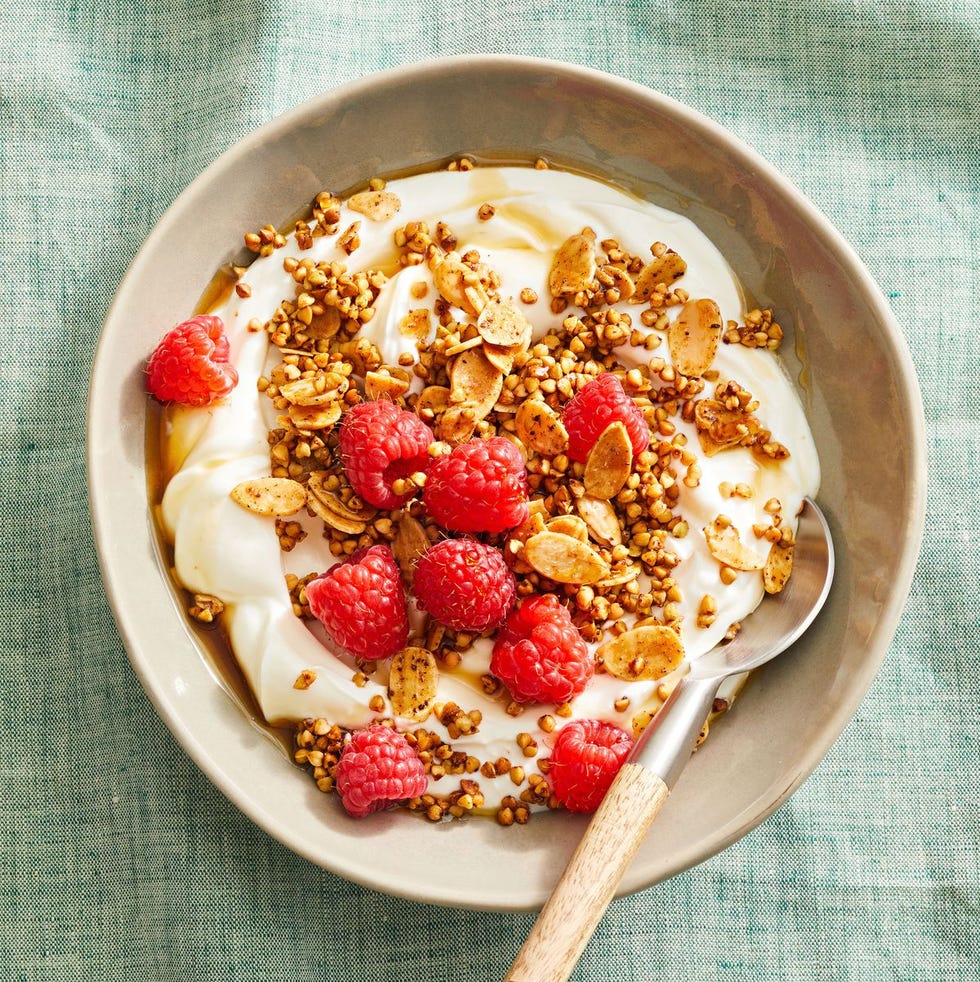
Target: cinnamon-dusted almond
[
  {"x": 378, "y": 206},
  {"x": 664, "y": 270},
  {"x": 383, "y": 385},
  {"x": 277, "y": 496},
  {"x": 316, "y": 483},
  {"x": 574, "y": 265},
  {"x": 569, "y": 525},
  {"x": 457, "y": 424},
  {"x": 433, "y": 400},
  {"x": 609, "y": 462},
  {"x": 601, "y": 518},
  {"x": 409, "y": 543},
  {"x": 475, "y": 382},
  {"x": 693, "y": 336},
  {"x": 622, "y": 282},
  {"x": 315, "y": 417},
  {"x": 619, "y": 575},
  {"x": 502, "y": 358},
  {"x": 315, "y": 391},
  {"x": 460, "y": 285},
  {"x": 564, "y": 559},
  {"x": 725, "y": 544},
  {"x": 501, "y": 323},
  {"x": 413, "y": 682},
  {"x": 642, "y": 654},
  {"x": 540, "y": 428},
  {"x": 720, "y": 427},
  {"x": 779, "y": 566},
  {"x": 417, "y": 324}
]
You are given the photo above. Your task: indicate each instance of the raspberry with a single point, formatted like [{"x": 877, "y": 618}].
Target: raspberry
[
  {"x": 380, "y": 443},
  {"x": 464, "y": 584},
  {"x": 539, "y": 653},
  {"x": 587, "y": 757},
  {"x": 190, "y": 365},
  {"x": 361, "y": 604},
  {"x": 599, "y": 403},
  {"x": 378, "y": 767},
  {"x": 480, "y": 487}
]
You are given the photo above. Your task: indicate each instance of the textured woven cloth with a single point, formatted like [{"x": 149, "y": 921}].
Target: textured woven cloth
[{"x": 118, "y": 858}]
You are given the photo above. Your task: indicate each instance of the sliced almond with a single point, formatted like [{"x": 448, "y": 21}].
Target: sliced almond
[
  {"x": 383, "y": 385},
  {"x": 622, "y": 282},
  {"x": 609, "y": 462},
  {"x": 433, "y": 400},
  {"x": 693, "y": 337},
  {"x": 574, "y": 265},
  {"x": 779, "y": 566},
  {"x": 601, "y": 518},
  {"x": 720, "y": 428},
  {"x": 315, "y": 417},
  {"x": 457, "y": 424},
  {"x": 378, "y": 206},
  {"x": 413, "y": 681},
  {"x": 474, "y": 342},
  {"x": 501, "y": 323},
  {"x": 564, "y": 559},
  {"x": 460, "y": 285},
  {"x": 416, "y": 324},
  {"x": 324, "y": 326},
  {"x": 475, "y": 381},
  {"x": 501, "y": 358},
  {"x": 316, "y": 390},
  {"x": 725, "y": 544},
  {"x": 540, "y": 428},
  {"x": 317, "y": 484},
  {"x": 664, "y": 270},
  {"x": 570, "y": 525},
  {"x": 620, "y": 575},
  {"x": 277, "y": 496},
  {"x": 409, "y": 543},
  {"x": 642, "y": 654}
]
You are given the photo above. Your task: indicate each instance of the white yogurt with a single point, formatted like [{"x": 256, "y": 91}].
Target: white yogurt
[{"x": 224, "y": 550}]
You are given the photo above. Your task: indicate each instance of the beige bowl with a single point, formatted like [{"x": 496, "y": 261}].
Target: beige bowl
[{"x": 857, "y": 384}]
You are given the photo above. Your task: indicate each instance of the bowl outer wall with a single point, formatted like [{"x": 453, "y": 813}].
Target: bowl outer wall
[{"x": 859, "y": 389}]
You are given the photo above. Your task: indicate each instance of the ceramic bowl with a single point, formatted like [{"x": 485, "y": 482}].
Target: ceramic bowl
[{"x": 843, "y": 346}]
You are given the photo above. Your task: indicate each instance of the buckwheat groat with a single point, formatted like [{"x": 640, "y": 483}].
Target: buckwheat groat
[{"x": 520, "y": 358}]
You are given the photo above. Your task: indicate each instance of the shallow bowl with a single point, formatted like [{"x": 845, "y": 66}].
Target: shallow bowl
[{"x": 843, "y": 347}]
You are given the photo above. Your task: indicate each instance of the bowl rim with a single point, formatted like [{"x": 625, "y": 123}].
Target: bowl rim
[{"x": 98, "y": 472}]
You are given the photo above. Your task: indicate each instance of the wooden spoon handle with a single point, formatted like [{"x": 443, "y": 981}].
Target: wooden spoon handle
[{"x": 583, "y": 893}]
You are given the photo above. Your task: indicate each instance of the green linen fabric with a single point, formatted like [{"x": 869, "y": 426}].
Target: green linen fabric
[{"x": 118, "y": 858}]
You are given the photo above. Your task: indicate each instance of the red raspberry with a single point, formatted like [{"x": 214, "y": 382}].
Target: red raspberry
[
  {"x": 464, "y": 584},
  {"x": 190, "y": 365},
  {"x": 540, "y": 655},
  {"x": 599, "y": 403},
  {"x": 361, "y": 604},
  {"x": 380, "y": 443},
  {"x": 480, "y": 487},
  {"x": 587, "y": 757},
  {"x": 378, "y": 767}
]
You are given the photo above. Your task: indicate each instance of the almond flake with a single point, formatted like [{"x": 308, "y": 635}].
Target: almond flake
[
  {"x": 460, "y": 285},
  {"x": 642, "y": 654},
  {"x": 726, "y": 546},
  {"x": 720, "y": 428},
  {"x": 501, "y": 323},
  {"x": 563, "y": 559},
  {"x": 378, "y": 206},
  {"x": 277, "y": 496},
  {"x": 433, "y": 400},
  {"x": 609, "y": 462},
  {"x": 601, "y": 518},
  {"x": 540, "y": 428},
  {"x": 574, "y": 266},
  {"x": 457, "y": 424},
  {"x": 501, "y": 358},
  {"x": 413, "y": 680},
  {"x": 662, "y": 271},
  {"x": 570, "y": 525},
  {"x": 315, "y": 417},
  {"x": 475, "y": 382},
  {"x": 317, "y": 391},
  {"x": 409, "y": 543},
  {"x": 383, "y": 385},
  {"x": 693, "y": 337},
  {"x": 779, "y": 566}
]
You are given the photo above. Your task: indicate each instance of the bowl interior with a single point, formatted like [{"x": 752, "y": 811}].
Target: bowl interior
[{"x": 842, "y": 346}]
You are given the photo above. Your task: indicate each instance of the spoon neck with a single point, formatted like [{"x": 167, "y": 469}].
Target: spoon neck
[{"x": 665, "y": 746}]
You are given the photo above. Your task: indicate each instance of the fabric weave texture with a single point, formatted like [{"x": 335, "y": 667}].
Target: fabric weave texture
[{"x": 118, "y": 858}]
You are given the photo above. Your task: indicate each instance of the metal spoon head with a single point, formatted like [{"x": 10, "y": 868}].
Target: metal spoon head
[{"x": 782, "y": 618}]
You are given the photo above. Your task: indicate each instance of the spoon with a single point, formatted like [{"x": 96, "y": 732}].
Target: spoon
[{"x": 617, "y": 829}]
